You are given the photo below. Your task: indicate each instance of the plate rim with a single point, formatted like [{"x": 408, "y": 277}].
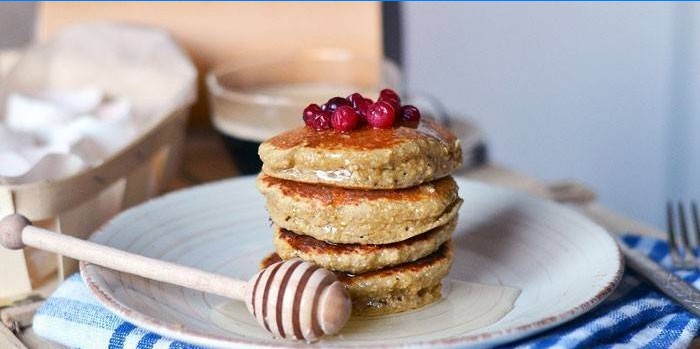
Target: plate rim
[{"x": 90, "y": 275}]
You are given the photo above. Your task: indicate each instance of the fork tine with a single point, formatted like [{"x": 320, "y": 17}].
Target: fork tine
[
  {"x": 696, "y": 220},
  {"x": 672, "y": 244},
  {"x": 692, "y": 233},
  {"x": 688, "y": 253},
  {"x": 681, "y": 224}
]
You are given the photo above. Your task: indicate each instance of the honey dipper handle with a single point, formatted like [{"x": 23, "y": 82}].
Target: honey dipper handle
[{"x": 16, "y": 231}]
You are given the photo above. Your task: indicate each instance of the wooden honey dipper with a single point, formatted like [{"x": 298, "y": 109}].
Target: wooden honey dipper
[{"x": 291, "y": 299}]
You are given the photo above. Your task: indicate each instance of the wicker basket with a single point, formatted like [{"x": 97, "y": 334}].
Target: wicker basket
[{"x": 81, "y": 203}]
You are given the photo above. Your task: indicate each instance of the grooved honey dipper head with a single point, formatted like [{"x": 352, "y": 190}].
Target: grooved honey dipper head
[
  {"x": 298, "y": 300},
  {"x": 11, "y": 231}
]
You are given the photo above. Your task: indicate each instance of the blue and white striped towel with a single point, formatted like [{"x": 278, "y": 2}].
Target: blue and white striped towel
[{"x": 634, "y": 316}]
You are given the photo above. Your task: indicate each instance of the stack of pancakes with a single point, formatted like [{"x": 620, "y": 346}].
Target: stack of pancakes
[{"x": 375, "y": 205}]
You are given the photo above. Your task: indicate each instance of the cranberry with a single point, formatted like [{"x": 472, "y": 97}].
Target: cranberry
[
  {"x": 309, "y": 112},
  {"x": 345, "y": 119},
  {"x": 394, "y": 102},
  {"x": 354, "y": 99},
  {"x": 381, "y": 114},
  {"x": 362, "y": 106},
  {"x": 388, "y": 93},
  {"x": 409, "y": 113},
  {"x": 321, "y": 121},
  {"x": 334, "y": 103},
  {"x": 390, "y": 96}
]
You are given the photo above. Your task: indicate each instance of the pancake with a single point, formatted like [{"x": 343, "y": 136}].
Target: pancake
[
  {"x": 398, "y": 288},
  {"x": 368, "y": 158},
  {"x": 348, "y": 216},
  {"x": 358, "y": 258}
]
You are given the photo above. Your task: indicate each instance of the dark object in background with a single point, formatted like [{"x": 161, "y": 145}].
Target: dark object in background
[
  {"x": 480, "y": 155},
  {"x": 244, "y": 154},
  {"x": 391, "y": 31}
]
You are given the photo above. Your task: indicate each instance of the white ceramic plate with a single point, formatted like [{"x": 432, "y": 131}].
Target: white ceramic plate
[{"x": 563, "y": 264}]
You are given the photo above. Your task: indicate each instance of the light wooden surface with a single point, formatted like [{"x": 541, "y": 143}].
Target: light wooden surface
[
  {"x": 8, "y": 340},
  {"x": 206, "y": 160},
  {"x": 19, "y": 316}
]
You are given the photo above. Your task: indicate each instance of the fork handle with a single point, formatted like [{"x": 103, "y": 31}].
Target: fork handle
[{"x": 671, "y": 285}]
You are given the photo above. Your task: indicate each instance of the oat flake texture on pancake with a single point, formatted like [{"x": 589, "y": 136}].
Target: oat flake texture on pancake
[{"x": 367, "y": 158}]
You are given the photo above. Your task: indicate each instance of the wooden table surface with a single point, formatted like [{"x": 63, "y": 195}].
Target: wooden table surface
[{"x": 206, "y": 160}]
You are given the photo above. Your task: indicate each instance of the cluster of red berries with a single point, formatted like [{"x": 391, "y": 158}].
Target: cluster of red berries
[{"x": 347, "y": 114}]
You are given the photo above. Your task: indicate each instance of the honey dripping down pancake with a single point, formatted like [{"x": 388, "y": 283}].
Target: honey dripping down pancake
[
  {"x": 360, "y": 258},
  {"x": 395, "y": 289}
]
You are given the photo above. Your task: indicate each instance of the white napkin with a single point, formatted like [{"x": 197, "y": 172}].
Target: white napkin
[
  {"x": 81, "y": 97},
  {"x": 57, "y": 133}
]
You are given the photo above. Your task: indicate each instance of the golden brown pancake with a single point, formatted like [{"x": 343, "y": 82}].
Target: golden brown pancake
[
  {"x": 359, "y": 258},
  {"x": 347, "y": 216},
  {"x": 398, "y": 288},
  {"x": 368, "y": 158}
]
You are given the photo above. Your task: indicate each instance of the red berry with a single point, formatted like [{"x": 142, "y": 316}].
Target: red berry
[
  {"x": 409, "y": 113},
  {"x": 362, "y": 106},
  {"x": 345, "y": 119},
  {"x": 390, "y": 96},
  {"x": 394, "y": 102},
  {"x": 334, "y": 103},
  {"x": 321, "y": 121},
  {"x": 354, "y": 98},
  {"x": 316, "y": 118},
  {"x": 381, "y": 115},
  {"x": 309, "y": 112},
  {"x": 388, "y": 93}
]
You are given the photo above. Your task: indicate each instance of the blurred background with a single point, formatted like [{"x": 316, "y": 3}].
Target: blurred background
[{"x": 602, "y": 93}]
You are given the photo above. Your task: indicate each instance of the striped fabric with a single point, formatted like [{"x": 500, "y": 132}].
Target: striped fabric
[{"x": 634, "y": 316}]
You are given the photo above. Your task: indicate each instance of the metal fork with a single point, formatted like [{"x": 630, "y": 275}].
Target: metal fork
[
  {"x": 683, "y": 242},
  {"x": 668, "y": 283}
]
